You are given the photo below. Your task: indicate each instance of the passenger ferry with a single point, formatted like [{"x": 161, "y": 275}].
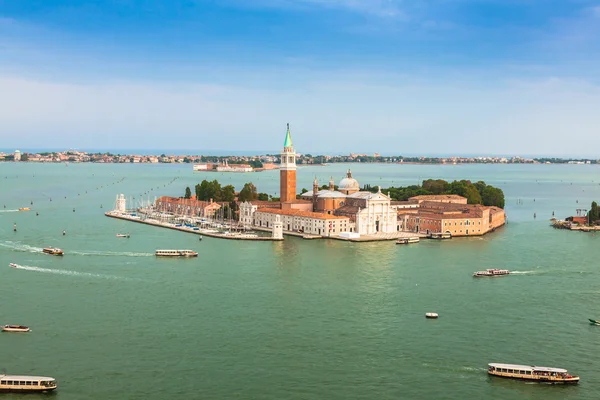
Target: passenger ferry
[
  {"x": 53, "y": 251},
  {"x": 25, "y": 383},
  {"x": 414, "y": 239},
  {"x": 176, "y": 253},
  {"x": 491, "y": 272},
  {"x": 532, "y": 373}
]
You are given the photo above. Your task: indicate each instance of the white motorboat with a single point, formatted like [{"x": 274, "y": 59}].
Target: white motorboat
[
  {"x": 123, "y": 235},
  {"x": 14, "y": 265},
  {"x": 15, "y": 328},
  {"x": 431, "y": 315}
]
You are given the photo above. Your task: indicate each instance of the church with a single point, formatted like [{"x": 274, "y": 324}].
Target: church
[{"x": 321, "y": 212}]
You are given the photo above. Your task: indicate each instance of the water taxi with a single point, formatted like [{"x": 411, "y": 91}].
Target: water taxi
[
  {"x": 123, "y": 235},
  {"x": 24, "y": 209},
  {"x": 53, "y": 251},
  {"x": 15, "y": 328},
  {"x": 14, "y": 265},
  {"x": 414, "y": 239},
  {"x": 491, "y": 272},
  {"x": 176, "y": 253},
  {"x": 594, "y": 321},
  {"x": 25, "y": 383},
  {"x": 431, "y": 315},
  {"x": 532, "y": 373}
]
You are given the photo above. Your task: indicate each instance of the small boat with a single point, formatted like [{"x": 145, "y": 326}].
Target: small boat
[
  {"x": 123, "y": 235},
  {"x": 24, "y": 209},
  {"x": 15, "y": 328},
  {"x": 53, "y": 251},
  {"x": 17, "y": 266},
  {"x": 414, "y": 239},
  {"x": 595, "y": 322},
  {"x": 491, "y": 272},
  {"x": 532, "y": 373},
  {"x": 431, "y": 315},
  {"x": 25, "y": 383},
  {"x": 176, "y": 253}
]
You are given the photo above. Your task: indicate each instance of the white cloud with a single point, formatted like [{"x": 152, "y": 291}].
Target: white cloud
[{"x": 337, "y": 115}]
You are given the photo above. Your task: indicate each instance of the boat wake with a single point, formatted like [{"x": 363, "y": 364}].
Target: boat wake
[
  {"x": 65, "y": 272},
  {"x": 526, "y": 272},
  {"x": 111, "y": 253},
  {"x": 8, "y": 211},
  {"x": 21, "y": 247}
]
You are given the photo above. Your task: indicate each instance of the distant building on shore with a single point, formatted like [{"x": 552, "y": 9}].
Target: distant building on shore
[
  {"x": 202, "y": 167},
  {"x": 17, "y": 155},
  {"x": 225, "y": 167}
]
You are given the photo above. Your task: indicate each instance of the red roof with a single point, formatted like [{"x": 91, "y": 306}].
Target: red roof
[{"x": 299, "y": 213}]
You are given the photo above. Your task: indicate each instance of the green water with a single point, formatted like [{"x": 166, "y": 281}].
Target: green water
[{"x": 296, "y": 319}]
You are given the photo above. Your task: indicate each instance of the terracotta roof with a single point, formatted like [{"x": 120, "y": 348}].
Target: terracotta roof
[
  {"x": 348, "y": 209},
  {"x": 437, "y": 197},
  {"x": 187, "y": 202},
  {"x": 299, "y": 213},
  {"x": 401, "y": 202}
]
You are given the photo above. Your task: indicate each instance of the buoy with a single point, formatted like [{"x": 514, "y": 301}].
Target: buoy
[
  {"x": 431, "y": 315},
  {"x": 15, "y": 227},
  {"x": 73, "y": 210},
  {"x": 64, "y": 233},
  {"x": 36, "y": 213}
]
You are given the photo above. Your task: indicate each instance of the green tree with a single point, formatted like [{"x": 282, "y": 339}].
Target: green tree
[
  {"x": 206, "y": 191},
  {"x": 188, "y": 193},
  {"x": 492, "y": 196},
  {"x": 436, "y": 186},
  {"x": 594, "y": 213},
  {"x": 263, "y": 197},
  {"x": 256, "y": 163},
  {"x": 228, "y": 193},
  {"x": 466, "y": 189},
  {"x": 248, "y": 193}
]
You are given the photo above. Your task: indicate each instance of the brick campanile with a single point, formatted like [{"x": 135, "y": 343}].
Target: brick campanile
[{"x": 287, "y": 171}]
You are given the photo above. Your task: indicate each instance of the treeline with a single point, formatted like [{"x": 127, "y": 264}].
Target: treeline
[
  {"x": 207, "y": 190},
  {"x": 594, "y": 214},
  {"x": 476, "y": 193}
]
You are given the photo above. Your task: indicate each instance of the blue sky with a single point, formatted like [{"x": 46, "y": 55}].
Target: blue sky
[{"x": 388, "y": 76}]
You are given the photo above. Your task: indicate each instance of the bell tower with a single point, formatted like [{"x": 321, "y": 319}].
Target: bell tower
[{"x": 287, "y": 170}]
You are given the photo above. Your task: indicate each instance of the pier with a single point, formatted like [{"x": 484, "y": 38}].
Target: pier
[{"x": 183, "y": 228}]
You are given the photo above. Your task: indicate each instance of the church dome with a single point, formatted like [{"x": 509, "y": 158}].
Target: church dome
[{"x": 349, "y": 183}]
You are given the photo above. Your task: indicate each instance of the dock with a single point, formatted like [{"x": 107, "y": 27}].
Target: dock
[{"x": 187, "y": 229}]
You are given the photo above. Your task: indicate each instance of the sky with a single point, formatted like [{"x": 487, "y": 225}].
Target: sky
[{"x": 404, "y": 77}]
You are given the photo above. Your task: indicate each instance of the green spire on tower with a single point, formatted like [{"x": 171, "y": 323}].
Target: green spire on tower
[{"x": 288, "y": 138}]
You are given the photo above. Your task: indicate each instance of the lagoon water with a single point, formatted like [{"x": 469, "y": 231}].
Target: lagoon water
[{"x": 295, "y": 319}]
